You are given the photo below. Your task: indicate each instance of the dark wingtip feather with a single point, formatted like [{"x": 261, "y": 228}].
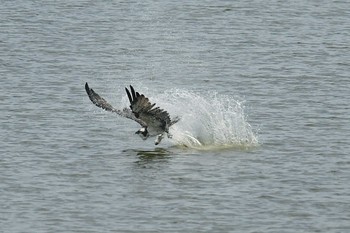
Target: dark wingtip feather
[
  {"x": 128, "y": 93},
  {"x": 133, "y": 92},
  {"x": 87, "y": 88}
]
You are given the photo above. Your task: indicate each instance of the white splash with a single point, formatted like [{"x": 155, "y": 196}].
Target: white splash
[{"x": 209, "y": 121}]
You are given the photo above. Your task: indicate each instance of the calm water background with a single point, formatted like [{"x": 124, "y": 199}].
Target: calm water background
[{"x": 66, "y": 166}]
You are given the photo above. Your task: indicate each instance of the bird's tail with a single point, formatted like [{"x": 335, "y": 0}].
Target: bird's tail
[{"x": 175, "y": 120}]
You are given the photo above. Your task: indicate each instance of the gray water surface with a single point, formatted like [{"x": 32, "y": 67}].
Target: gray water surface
[{"x": 283, "y": 67}]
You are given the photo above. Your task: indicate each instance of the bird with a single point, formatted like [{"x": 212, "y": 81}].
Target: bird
[{"x": 154, "y": 121}]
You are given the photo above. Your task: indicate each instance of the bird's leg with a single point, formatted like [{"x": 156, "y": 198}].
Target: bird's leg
[
  {"x": 158, "y": 138},
  {"x": 167, "y": 132}
]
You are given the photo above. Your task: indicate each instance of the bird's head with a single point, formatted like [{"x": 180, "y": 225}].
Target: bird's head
[{"x": 143, "y": 133}]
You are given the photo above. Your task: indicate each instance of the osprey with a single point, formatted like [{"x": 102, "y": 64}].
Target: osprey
[{"x": 154, "y": 121}]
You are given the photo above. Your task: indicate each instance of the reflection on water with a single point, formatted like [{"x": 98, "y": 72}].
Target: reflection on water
[{"x": 157, "y": 155}]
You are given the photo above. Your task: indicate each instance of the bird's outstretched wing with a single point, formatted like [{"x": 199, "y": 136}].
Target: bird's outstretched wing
[
  {"x": 143, "y": 109},
  {"x": 102, "y": 103}
]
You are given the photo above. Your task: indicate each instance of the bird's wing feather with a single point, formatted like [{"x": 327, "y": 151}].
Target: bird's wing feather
[
  {"x": 102, "y": 103},
  {"x": 143, "y": 109}
]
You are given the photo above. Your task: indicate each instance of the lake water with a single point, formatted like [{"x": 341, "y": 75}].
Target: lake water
[{"x": 262, "y": 89}]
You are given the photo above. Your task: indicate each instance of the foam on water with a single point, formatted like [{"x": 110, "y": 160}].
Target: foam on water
[{"x": 208, "y": 121}]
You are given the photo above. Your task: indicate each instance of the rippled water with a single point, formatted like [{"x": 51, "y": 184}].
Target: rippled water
[{"x": 262, "y": 89}]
